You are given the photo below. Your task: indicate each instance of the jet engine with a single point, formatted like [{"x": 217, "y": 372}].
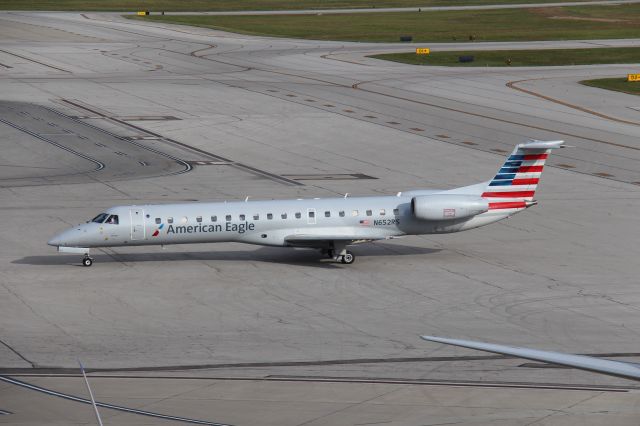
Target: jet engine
[{"x": 447, "y": 206}]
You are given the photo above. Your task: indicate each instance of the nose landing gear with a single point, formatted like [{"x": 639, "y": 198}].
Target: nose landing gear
[{"x": 87, "y": 260}]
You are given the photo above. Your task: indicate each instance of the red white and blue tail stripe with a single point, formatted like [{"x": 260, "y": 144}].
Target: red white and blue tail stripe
[{"x": 514, "y": 186}]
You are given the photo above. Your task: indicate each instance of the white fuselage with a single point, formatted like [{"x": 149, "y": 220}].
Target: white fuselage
[
  {"x": 330, "y": 224},
  {"x": 273, "y": 222}
]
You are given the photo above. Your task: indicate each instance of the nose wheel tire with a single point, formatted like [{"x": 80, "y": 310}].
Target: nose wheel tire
[
  {"x": 87, "y": 261},
  {"x": 348, "y": 258}
]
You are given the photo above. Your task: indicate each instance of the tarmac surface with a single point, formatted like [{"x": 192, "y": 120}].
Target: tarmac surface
[{"x": 99, "y": 111}]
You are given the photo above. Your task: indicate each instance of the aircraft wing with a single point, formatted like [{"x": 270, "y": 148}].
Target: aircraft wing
[
  {"x": 311, "y": 240},
  {"x": 627, "y": 370}
]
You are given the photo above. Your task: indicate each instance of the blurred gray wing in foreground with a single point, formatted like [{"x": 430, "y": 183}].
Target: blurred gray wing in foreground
[{"x": 628, "y": 370}]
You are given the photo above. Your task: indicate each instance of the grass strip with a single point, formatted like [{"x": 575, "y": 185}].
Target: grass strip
[
  {"x": 616, "y": 84},
  {"x": 553, "y": 23},
  {"x": 521, "y": 58},
  {"x": 232, "y": 5}
]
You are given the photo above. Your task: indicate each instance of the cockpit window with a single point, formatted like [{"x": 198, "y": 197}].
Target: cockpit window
[
  {"x": 100, "y": 218},
  {"x": 113, "y": 219}
]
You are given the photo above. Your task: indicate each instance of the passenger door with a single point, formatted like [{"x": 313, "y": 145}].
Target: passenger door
[
  {"x": 137, "y": 224},
  {"x": 311, "y": 216}
]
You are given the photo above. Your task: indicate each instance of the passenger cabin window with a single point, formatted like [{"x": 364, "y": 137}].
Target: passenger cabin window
[
  {"x": 354, "y": 213},
  {"x": 169, "y": 220},
  {"x": 382, "y": 212},
  {"x": 283, "y": 215},
  {"x": 158, "y": 221},
  {"x": 228, "y": 218},
  {"x": 198, "y": 219},
  {"x": 396, "y": 212},
  {"x": 242, "y": 217},
  {"x": 113, "y": 219},
  {"x": 327, "y": 214},
  {"x": 341, "y": 213},
  {"x": 298, "y": 215},
  {"x": 100, "y": 218},
  {"x": 256, "y": 217},
  {"x": 369, "y": 212},
  {"x": 312, "y": 213},
  {"x": 269, "y": 216},
  {"x": 214, "y": 218}
]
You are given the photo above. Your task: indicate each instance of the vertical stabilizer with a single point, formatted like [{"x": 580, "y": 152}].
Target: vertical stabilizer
[{"x": 514, "y": 186}]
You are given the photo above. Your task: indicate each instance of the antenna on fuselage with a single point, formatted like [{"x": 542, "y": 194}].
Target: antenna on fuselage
[
  {"x": 246, "y": 199},
  {"x": 346, "y": 195}
]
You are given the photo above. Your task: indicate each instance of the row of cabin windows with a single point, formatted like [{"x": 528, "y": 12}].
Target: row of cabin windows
[{"x": 298, "y": 215}]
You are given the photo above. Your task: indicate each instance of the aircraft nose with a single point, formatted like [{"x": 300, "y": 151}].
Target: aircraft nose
[{"x": 62, "y": 239}]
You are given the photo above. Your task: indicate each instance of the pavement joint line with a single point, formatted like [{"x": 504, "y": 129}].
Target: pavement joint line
[
  {"x": 22, "y": 357},
  {"x": 349, "y": 361},
  {"x": 513, "y": 85},
  {"x": 74, "y": 398},
  {"x": 364, "y": 380}
]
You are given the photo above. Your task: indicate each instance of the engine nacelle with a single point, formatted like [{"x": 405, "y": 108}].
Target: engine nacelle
[{"x": 447, "y": 206}]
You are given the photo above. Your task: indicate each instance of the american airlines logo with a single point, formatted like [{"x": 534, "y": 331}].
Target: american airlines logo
[{"x": 157, "y": 231}]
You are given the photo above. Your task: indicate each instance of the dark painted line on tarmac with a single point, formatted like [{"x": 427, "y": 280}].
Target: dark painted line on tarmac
[
  {"x": 502, "y": 120},
  {"x": 187, "y": 166},
  {"x": 250, "y": 169},
  {"x": 105, "y": 405},
  {"x": 512, "y": 85},
  {"x": 33, "y": 60},
  {"x": 37, "y": 136}
]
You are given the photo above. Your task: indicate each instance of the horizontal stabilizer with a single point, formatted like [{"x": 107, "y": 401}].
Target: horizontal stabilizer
[
  {"x": 535, "y": 144},
  {"x": 628, "y": 370}
]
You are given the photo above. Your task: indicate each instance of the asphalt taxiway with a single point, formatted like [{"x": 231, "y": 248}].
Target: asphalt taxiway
[{"x": 248, "y": 335}]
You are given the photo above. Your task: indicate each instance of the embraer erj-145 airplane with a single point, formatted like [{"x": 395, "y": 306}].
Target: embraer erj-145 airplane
[{"x": 329, "y": 224}]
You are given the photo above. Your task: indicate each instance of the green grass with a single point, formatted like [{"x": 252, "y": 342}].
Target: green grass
[
  {"x": 224, "y": 5},
  {"x": 521, "y": 58},
  {"x": 553, "y": 23},
  {"x": 617, "y": 84}
]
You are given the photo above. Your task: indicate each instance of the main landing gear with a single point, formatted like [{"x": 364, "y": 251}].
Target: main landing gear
[
  {"x": 347, "y": 258},
  {"x": 87, "y": 260},
  {"x": 341, "y": 255}
]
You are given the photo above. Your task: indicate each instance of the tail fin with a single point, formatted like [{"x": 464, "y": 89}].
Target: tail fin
[{"x": 515, "y": 184}]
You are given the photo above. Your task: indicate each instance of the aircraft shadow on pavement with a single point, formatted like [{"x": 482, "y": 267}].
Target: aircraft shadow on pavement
[{"x": 308, "y": 257}]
